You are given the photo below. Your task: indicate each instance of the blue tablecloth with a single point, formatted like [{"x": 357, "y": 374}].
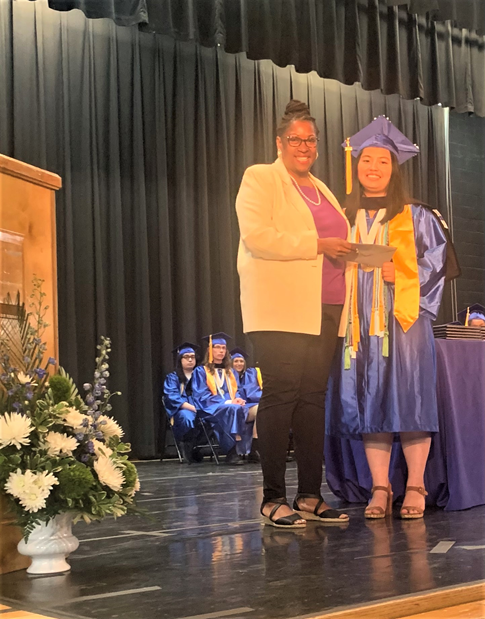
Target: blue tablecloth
[{"x": 455, "y": 473}]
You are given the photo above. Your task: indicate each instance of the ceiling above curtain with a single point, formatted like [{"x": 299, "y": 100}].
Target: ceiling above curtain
[{"x": 395, "y": 49}]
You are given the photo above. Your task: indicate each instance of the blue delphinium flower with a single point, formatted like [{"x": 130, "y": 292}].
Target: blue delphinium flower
[
  {"x": 40, "y": 372},
  {"x": 87, "y": 386},
  {"x": 51, "y": 361}
]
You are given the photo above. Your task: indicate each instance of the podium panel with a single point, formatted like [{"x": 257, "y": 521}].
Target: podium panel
[{"x": 27, "y": 249}]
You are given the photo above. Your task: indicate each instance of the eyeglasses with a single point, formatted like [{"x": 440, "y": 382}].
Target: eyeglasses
[
  {"x": 294, "y": 140},
  {"x": 188, "y": 357}
]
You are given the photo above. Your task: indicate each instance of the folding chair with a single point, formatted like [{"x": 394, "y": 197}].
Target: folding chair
[
  {"x": 170, "y": 423},
  {"x": 209, "y": 435},
  {"x": 206, "y": 429}
]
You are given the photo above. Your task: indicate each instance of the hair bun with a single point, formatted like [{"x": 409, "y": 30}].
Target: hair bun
[{"x": 296, "y": 107}]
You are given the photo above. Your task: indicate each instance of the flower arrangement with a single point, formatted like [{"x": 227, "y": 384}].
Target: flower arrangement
[{"x": 59, "y": 452}]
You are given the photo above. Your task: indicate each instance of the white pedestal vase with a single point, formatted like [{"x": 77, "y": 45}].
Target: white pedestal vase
[{"x": 49, "y": 545}]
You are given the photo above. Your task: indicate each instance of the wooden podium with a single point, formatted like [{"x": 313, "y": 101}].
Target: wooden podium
[{"x": 27, "y": 249}]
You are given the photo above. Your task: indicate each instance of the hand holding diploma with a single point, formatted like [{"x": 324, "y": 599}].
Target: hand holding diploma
[
  {"x": 334, "y": 247},
  {"x": 370, "y": 255}
]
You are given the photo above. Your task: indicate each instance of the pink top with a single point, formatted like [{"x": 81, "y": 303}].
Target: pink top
[{"x": 329, "y": 223}]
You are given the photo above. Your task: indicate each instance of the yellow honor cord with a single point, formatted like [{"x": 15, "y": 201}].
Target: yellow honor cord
[
  {"x": 467, "y": 316},
  {"x": 348, "y": 167}
]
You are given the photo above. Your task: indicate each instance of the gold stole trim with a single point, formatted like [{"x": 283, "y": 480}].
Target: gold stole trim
[
  {"x": 230, "y": 381},
  {"x": 407, "y": 291}
]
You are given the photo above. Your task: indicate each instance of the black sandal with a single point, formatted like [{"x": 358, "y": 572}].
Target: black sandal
[
  {"x": 286, "y": 522},
  {"x": 328, "y": 515}
]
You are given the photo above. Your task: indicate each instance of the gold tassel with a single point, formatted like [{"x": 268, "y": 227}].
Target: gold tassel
[
  {"x": 467, "y": 316},
  {"x": 211, "y": 356},
  {"x": 348, "y": 167}
]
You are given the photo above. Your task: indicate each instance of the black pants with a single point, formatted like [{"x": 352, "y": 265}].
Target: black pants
[{"x": 295, "y": 369}]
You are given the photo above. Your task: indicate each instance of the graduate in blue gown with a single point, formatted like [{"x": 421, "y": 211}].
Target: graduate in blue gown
[
  {"x": 385, "y": 382},
  {"x": 250, "y": 387},
  {"x": 218, "y": 401},
  {"x": 249, "y": 379},
  {"x": 179, "y": 401}
]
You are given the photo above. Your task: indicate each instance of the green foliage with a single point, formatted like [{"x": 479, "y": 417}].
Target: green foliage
[
  {"x": 131, "y": 474},
  {"x": 60, "y": 387},
  {"x": 75, "y": 481}
]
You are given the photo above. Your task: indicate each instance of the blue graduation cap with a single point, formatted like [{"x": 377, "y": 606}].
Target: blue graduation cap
[
  {"x": 473, "y": 312},
  {"x": 382, "y": 134},
  {"x": 185, "y": 347},
  {"x": 239, "y": 352},
  {"x": 216, "y": 338}
]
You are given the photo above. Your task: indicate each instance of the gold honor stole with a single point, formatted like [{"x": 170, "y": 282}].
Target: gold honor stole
[
  {"x": 398, "y": 233},
  {"x": 260, "y": 378},
  {"x": 230, "y": 380}
]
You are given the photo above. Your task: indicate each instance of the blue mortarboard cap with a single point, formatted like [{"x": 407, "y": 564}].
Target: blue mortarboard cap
[
  {"x": 218, "y": 338},
  {"x": 383, "y": 134},
  {"x": 238, "y": 352},
  {"x": 473, "y": 311},
  {"x": 185, "y": 347}
]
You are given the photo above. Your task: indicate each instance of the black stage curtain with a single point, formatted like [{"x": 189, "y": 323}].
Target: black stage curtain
[
  {"x": 366, "y": 41},
  {"x": 464, "y": 13},
  {"x": 151, "y": 137}
]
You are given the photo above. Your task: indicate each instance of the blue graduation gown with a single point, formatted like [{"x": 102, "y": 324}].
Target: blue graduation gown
[
  {"x": 175, "y": 396},
  {"x": 248, "y": 386},
  {"x": 395, "y": 393},
  {"x": 227, "y": 420}
]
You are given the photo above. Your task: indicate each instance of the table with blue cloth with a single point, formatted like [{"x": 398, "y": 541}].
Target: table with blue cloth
[{"x": 455, "y": 473}]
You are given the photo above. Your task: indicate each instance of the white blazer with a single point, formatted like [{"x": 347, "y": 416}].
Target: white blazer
[{"x": 278, "y": 265}]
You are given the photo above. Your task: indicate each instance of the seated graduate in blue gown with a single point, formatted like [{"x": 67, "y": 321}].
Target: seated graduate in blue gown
[
  {"x": 250, "y": 387},
  {"x": 473, "y": 316},
  {"x": 385, "y": 382},
  {"x": 179, "y": 401},
  {"x": 218, "y": 401}
]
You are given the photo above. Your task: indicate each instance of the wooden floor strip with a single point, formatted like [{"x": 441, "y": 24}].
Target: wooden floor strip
[
  {"x": 472, "y": 610},
  {"x": 410, "y": 605}
]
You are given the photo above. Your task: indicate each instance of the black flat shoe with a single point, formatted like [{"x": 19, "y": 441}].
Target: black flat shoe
[
  {"x": 286, "y": 522},
  {"x": 233, "y": 458},
  {"x": 328, "y": 515}
]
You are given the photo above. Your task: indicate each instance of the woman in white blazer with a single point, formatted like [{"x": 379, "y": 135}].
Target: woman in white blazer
[{"x": 293, "y": 290}]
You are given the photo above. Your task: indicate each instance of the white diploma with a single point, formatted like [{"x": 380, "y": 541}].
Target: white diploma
[{"x": 370, "y": 255}]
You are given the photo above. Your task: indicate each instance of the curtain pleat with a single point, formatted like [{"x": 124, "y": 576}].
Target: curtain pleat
[
  {"x": 431, "y": 49},
  {"x": 151, "y": 137}
]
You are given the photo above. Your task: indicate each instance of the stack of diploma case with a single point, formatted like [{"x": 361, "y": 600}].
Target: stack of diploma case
[{"x": 458, "y": 332}]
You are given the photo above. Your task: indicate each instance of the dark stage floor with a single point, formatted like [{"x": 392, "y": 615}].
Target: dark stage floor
[{"x": 206, "y": 555}]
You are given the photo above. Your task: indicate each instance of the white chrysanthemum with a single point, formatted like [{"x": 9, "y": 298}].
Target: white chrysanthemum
[
  {"x": 32, "y": 489},
  {"x": 14, "y": 430},
  {"x": 101, "y": 449},
  {"x": 33, "y": 500},
  {"x": 60, "y": 444},
  {"x": 45, "y": 481},
  {"x": 23, "y": 378},
  {"x": 110, "y": 427},
  {"x": 73, "y": 418},
  {"x": 108, "y": 473},
  {"x": 17, "y": 482}
]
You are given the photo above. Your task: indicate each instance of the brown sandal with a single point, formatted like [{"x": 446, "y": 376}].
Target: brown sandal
[
  {"x": 377, "y": 512},
  {"x": 419, "y": 513}
]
